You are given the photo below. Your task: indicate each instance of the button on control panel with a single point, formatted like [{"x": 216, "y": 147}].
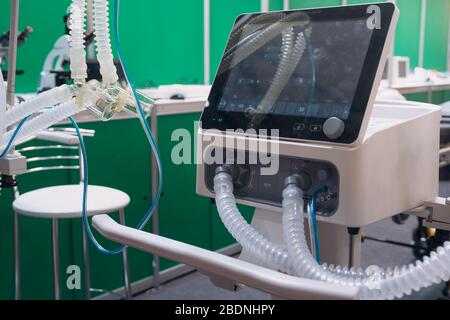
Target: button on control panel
[{"x": 333, "y": 128}]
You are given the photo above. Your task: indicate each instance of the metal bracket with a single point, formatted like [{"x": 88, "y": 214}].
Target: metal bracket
[
  {"x": 13, "y": 164},
  {"x": 436, "y": 213},
  {"x": 222, "y": 282}
]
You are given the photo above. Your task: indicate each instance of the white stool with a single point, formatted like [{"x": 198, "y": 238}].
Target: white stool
[{"x": 65, "y": 202}]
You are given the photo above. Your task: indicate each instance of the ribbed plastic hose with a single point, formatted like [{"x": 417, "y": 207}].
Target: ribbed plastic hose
[
  {"x": 271, "y": 254},
  {"x": 250, "y": 26},
  {"x": 292, "y": 51},
  {"x": 384, "y": 284},
  {"x": 47, "y": 98},
  {"x": 250, "y": 44},
  {"x": 43, "y": 121},
  {"x": 103, "y": 42},
  {"x": 78, "y": 66}
]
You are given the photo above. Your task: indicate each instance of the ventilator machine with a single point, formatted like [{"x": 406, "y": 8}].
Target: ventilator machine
[{"x": 292, "y": 128}]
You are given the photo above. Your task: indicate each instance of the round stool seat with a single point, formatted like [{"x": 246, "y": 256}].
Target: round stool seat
[{"x": 63, "y": 202}]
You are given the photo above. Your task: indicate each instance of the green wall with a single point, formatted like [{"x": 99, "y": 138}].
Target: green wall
[{"x": 163, "y": 41}]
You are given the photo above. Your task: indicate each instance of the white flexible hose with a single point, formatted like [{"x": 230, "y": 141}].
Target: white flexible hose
[
  {"x": 103, "y": 42},
  {"x": 47, "y": 98},
  {"x": 251, "y": 240},
  {"x": 292, "y": 51},
  {"x": 385, "y": 284},
  {"x": 78, "y": 66},
  {"x": 43, "y": 121},
  {"x": 264, "y": 36}
]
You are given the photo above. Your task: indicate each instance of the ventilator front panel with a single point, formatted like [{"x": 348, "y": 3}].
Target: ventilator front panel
[{"x": 308, "y": 73}]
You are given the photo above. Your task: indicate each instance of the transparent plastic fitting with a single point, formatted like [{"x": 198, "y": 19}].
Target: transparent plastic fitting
[{"x": 107, "y": 100}]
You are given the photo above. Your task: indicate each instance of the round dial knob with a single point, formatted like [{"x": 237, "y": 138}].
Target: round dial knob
[{"x": 333, "y": 128}]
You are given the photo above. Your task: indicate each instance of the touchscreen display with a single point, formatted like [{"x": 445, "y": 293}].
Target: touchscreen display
[
  {"x": 294, "y": 70},
  {"x": 310, "y": 69}
]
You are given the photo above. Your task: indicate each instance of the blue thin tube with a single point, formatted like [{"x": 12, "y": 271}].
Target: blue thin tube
[
  {"x": 142, "y": 117},
  {"x": 313, "y": 208},
  {"x": 85, "y": 194},
  {"x": 13, "y": 137},
  {"x": 146, "y": 218}
]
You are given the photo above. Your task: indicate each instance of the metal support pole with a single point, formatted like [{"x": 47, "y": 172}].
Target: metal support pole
[
  {"x": 86, "y": 262},
  {"x": 354, "y": 247},
  {"x": 17, "y": 293},
  {"x": 12, "y": 53},
  {"x": 265, "y": 5},
  {"x": 423, "y": 21},
  {"x": 155, "y": 218},
  {"x": 126, "y": 268},
  {"x": 55, "y": 241}
]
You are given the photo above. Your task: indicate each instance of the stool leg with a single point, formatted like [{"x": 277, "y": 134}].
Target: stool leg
[
  {"x": 125, "y": 260},
  {"x": 87, "y": 270},
  {"x": 16, "y": 256},
  {"x": 55, "y": 241}
]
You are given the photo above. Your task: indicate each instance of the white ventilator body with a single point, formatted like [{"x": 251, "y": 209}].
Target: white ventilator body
[{"x": 297, "y": 258}]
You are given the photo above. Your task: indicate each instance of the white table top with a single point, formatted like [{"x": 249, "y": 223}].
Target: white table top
[{"x": 413, "y": 85}]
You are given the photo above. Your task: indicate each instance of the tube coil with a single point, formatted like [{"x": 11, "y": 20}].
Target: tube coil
[
  {"x": 43, "y": 121},
  {"x": 251, "y": 240},
  {"x": 253, "y": 42},
  {"x": 78, "y": 66},
  {"x": 384, "y": 284},
  {"x": 47, "y": 98},
  {"x": 103, "y": 42},
  {"x": 292, "y": 51}
]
